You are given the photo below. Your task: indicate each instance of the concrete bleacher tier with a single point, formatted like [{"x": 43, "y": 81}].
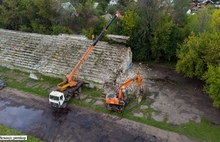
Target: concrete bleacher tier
[{"x": 57, "y": 55}]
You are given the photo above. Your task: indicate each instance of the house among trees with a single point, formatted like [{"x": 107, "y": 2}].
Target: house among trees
[
  {"x": 217, "y": 4},
  {"x": 169, "y": 1},
  {"x": 113, "y": 2},
  {"x": 67, "y": 5},
  {"x": 206, "y": 2}
]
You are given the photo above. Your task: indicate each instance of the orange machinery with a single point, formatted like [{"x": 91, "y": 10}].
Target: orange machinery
[
  {"x": 71, "y": 85},
  {"x": 117, "y": 100}
]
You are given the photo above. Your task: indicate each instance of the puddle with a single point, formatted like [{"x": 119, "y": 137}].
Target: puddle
[
  {"x": 66, "y": 124},
  {"x": 18, "y": 117}
]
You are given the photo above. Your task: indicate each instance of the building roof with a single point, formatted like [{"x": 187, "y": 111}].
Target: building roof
[{"x": 67, "y": 5}]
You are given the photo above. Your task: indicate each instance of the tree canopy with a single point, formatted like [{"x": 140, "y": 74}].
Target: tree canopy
[{"x": 199, "y": 56}]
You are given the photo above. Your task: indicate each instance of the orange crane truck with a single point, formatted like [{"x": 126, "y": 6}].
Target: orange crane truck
[
  {"x": 116, "y": 101},
  {"x": 71, "y": 85}
]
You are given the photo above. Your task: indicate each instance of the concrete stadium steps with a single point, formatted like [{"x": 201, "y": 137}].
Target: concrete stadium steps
[{"x": 57, "y": 55}]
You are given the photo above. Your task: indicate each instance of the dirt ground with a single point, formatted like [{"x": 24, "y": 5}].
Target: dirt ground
[
  {"x": 175, "y": 97},
  {"x": 168, "y": 96},
  {"x": 32, "y": 115}
]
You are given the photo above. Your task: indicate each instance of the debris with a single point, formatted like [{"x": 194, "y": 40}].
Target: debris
[
  {"x": 33, "y": 76},
  {"x": 118, "y": 38}
]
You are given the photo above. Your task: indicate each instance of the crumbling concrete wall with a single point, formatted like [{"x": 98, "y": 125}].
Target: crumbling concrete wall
[{"x": 57, "y": 55}]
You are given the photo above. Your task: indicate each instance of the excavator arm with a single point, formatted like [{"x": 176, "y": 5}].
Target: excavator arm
[
  {"x": 72, "y": 78},
  {"x": 117, "y": 101},
  {"x": 137, "y": 79}
]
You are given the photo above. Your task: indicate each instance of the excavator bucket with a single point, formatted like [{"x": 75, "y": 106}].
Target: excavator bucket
[
  {"x": 139, "y": 95},
  {"x": 139, "y": 99}
]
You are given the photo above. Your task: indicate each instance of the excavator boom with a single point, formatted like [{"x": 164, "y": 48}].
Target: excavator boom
[
  {"x": 138, "y": 79},
  {"x": 117, "y": 101}
]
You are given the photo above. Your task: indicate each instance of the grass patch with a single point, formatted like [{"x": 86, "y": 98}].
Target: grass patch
[
  {"x": 3, "y": 69},
  {"x": 204, "y": 131},
  {"x": 50, "y": 80},
  {"x": 4, "y": 130},
  {"x": 92, "y": 92},
  {"x": 14, "y": 82},
  {"x": 22, "y": 86}
]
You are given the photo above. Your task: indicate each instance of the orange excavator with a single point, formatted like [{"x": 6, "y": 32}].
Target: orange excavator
[
  {"x": 71, "y": 85},
  {"x": 116, "y": 101}
]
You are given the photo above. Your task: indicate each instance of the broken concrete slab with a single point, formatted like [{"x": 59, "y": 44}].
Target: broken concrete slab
[
  {"x": 33, "y": 76},
  {"x": 88, "y": 101},
  {"x": 32, "y": 84},
  {"x": 158, "y": 117},
  {"x": 118, "y": 38},
  {"x": 143, "y": 107},
  {"x": 99, "y": 103},
  {"x": 140, "y": 114},
  {"x": 82, "y": 96}
]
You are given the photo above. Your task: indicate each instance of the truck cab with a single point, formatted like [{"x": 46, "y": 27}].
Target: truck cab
[{"x": 56, "y": 99}]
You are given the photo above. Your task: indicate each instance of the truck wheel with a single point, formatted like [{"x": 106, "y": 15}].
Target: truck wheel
[
  {"x": 109, "y": 107},
  {"x": 79, "y": 89},
  {"x": 64, "y": 105},
  {"x": 121, "y": 109}
]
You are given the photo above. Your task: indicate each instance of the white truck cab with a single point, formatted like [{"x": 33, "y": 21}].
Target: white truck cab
[{"x": 56, "y": 99}]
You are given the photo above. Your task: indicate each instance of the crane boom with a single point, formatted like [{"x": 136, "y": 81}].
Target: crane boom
[{"x": 72, "y": 77}]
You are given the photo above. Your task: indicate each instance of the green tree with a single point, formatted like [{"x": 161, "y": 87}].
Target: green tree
[
  {"x": 42, "y": 16},
  {"x": 86, "y": 15},
  {"x": 129, "y": 22},
  {"x": 214, "y": 25},
  {"x": 212, "y": 75},
  {"x": 99, "y": 25},
  {"x": 197, "y": 23},
  {"x": 212, "y": 79},
  {"x": 27, "y": 15},
  {"x": 150, "y": 31},
  {"x": 200, "y": 56},
  {"x": 200, "y": 49},
  {"x": 102, "y": 7},
  {"x": 149, "y": 17},
  {"x": 64, "y": 17},
  {"x": 10, "y": 14},
  {"x": 190, "y": 55},
  {"x": 161, "y": 41},
  {"x": 212, "y": 51},
  {"x": 124, "y": 2},
  {"x": 179, "y": 11}
]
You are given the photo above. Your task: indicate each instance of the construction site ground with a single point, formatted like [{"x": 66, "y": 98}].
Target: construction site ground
[{"x": 170, "y": 98}]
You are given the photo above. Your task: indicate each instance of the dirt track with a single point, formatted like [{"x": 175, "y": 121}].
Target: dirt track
[{"x": 32, "y": 115}]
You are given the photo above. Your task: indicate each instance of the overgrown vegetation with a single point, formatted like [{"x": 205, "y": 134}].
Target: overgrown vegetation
[{"x": 199, "y": 54}]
